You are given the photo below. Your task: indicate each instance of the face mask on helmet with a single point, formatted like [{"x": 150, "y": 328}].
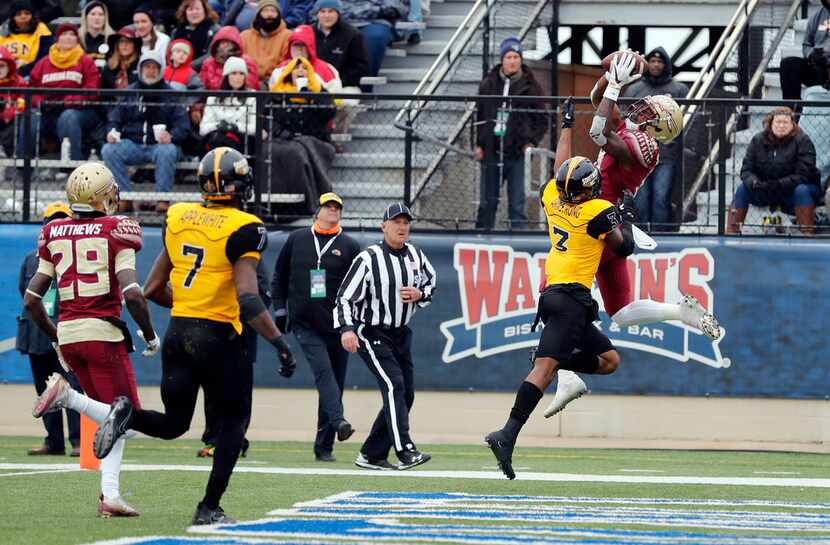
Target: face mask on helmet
[
  {"x": 658, "y": 115},
  {"x": 224, "y": 175},
  {"x": 578, "y": 180}
]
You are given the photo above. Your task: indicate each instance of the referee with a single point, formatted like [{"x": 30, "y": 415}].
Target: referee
[{"x": 375, "y": 302}]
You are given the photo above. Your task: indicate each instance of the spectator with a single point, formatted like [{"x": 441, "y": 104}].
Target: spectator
[
  {"x": 197, "y": 25},
  {"x": 179, "y": 73},
  {"x": 45, "y": 10},
  {"x": 376, "y": 21},
  {"x": 503, "y": 135},
  {"x": 230, "y": 121},
  {"x": 305, "y": 304},
  {"x": 241, "y": 14},
  {"x": 121, "y": 12},
  {"x": 341, "y": 45},
  {"x": 152, "y": 40},
  {"x": 95, "y": 31},
  {"x": 146, "y": 129},
  {"x": 219, "y": 6},
  {"x": 121, "y": 69},
  {"x": 415, "y": 15},
  {"x": 226, "y": 43},
  {"x": 296, "y": 12},
  {"x": 811, "y": 68},
  {"x": 301, "y": 43},
  {"x": 301, "y": 154},
  {"x": 25, "y": 35},
  {"x": 779, "y": 170},
  {"x": 267, "y": 39},
  {"x": 43, "y": 359},
  {"x": 66, "y": 67},
  {"x": 653, "y": 199},
  {"x": 8, "y": 101}
]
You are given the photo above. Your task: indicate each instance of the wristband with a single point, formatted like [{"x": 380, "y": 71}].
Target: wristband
[
  {"x": 34, "y": 294},
  {"x": 612, "y": 91},
  {"x": 131, "y": 286}
]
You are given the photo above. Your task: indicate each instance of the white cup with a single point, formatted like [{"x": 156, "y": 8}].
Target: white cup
[
  {"x": 116, "y": 135},
  {"x": 302, "y": 83},
  {"x": 158, "y": 129}
]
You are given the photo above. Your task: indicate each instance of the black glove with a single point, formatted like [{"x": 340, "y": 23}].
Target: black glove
[
  {"x": 568, "y": 113},
  {"x": 389, "y": 13},
  {"x": 626, "y": 207},
  {"x": 288, "y": 365}
]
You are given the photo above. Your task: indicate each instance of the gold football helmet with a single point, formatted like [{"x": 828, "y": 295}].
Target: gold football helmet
[
  {"x": 659, "y": 115},
  {"x": 91, "y": 188}
]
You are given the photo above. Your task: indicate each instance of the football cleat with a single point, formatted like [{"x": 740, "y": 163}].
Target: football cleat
[
  {"x": 412, "y": 458},
  {"x": 113, "y": 426},
  {"x": 204, "y": 516},
  {"x": 502, "y": 448},
  {"x": 568, "y": 387},
  {"x": 206, "y": 451},
  {"x": 115, "y": 507},
  {"x": 693, "y": 314},
  {"x": 54, "y": 397},
  {"x": 365, "y": 463}
]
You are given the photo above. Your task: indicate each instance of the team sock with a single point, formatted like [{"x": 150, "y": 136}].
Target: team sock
[
  {"x": 110, "y": 470},
  {"x": 96, "y": 410},
  {"x": 646, "y": 311},
  {"x": 582, "y": 362},
  {"x": 527, "y": 398}
]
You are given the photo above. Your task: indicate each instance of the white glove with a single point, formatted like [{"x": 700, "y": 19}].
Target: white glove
[
  {"x": 152, "y": 346},
  {"x": 622, "y": 69},
  {"x": 57, "y": 348}
]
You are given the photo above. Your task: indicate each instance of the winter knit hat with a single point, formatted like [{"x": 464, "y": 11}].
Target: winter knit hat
[
  {"x": 234, "y": 64},
  {"x": 66, "y": 27},
  {"x": 148, "y": 9},
  {"x": 330, "y": 4},
  {"x": 183, "y": 45},
  {"x": 267, "y": 3},
  {"x": 510, "y": 44}
]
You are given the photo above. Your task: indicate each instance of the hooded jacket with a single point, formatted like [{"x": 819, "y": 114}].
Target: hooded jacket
[
  {"x": 134, "y": 116},
  {"x": 82, "y": 75},
  {"x": 293, "y": 121},
  {"x": 9, "y": 100},
  {"x": 26, "y": 47},
  {"x": 523, "y": 127},
  {"x": 328, "y": 74},
  {"x": 345, "y": 49},
  {"x": 267, "y": 49},
  {"x": 199, "y": 37},
  {"x": 211, "y": 72},
  {"x": 661, "y": 85},
  {"x": 184, "y": 77}
]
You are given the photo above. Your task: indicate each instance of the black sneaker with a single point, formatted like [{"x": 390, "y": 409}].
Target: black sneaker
[
  {"x": 502, "y": 448},
  {"x": 365, "y": 463},
  {"x": 203, "y": 516},
  {"x": 115, "y": 424},
  {"x": 324, "y": 457},
  {"x": 344, "y": 431},
  {"x": 412, "y": 458}
]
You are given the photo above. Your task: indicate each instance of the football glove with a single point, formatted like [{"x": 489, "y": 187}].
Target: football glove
[
  {"x": 287, "y": 363},
  {"x": 152, "y": 346},
  {"x": 626, "y": 207},
  {"x": 622, "y": 69},
  {"x": 568, "y": 113}
]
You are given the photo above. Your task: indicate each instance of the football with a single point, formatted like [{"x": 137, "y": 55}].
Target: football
[{"x": 641, "y": 61}]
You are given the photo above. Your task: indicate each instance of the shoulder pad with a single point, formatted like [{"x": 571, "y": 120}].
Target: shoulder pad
[
  {"x": 643, "y": 147},
  {"x": 127, "y": 231}
]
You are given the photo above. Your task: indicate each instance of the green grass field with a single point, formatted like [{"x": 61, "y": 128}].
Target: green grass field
[{"x": 60, "y": 507}]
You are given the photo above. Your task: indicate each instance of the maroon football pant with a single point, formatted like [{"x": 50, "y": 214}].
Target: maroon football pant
[
  {"x": 614, "y": 282},
  {"x": 103, "y": 369}
]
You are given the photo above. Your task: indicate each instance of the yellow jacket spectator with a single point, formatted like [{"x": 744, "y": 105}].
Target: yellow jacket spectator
[{"x": 25, "y": 36}]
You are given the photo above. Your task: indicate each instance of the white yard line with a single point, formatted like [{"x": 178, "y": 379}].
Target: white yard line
[
  {"x": 488, "y": 475},
  {"x": 43, "y": 472}
]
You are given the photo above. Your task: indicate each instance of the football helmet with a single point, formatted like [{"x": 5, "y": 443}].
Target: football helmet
[
  {"x": 577, "y": 176},
  {"x": 658, "y": 115},
  {"x": 220, "y": 168},
  {"x": 91, "y": 188},
  {"x": 54, "y": 208}
]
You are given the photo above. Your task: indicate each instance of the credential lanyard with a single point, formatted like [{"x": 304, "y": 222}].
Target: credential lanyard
[{"x": 326, "y": 247}]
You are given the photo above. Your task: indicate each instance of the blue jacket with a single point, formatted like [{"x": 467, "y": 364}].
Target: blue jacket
[
  {"x": 134, "y": 116},
  {"x": 296, "y": 12},
  {"x": 30, "y": 338}
]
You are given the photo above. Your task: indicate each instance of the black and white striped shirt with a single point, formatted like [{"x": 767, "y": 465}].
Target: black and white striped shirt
[{"x": 370, "y": 293}]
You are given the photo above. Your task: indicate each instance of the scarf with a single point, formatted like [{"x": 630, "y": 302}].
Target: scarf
[
  {"x": 320, "y": 231},
  {"x": 65, "y": 59}
]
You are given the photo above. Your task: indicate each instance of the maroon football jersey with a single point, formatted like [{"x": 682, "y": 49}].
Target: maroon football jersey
[
  {"x": 84, "y": 255},
  {"x": 615, "y": 176}
]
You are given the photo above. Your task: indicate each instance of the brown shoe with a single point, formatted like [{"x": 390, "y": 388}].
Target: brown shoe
[
  {"x": 43, "y": 450},
  {"x": 125, "y": 206},
  {"x": 162, "y": 207}
]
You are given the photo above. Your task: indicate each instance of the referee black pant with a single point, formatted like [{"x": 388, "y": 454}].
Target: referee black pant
[
  {"x": 207, "y": 354},
  {"x": 387, "y": 353}
]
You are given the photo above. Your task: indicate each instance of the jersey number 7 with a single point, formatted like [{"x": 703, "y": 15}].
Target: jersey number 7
[
  {"x": 561, "y": 244},
  {"x": 197, "y": 251}
]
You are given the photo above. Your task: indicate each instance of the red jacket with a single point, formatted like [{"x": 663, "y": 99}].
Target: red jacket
[
  {"x": 14, "y": 79},
  {"x": 304, "y": 34},
  {"x": 83, "y": 75},
  {"x": 211, "y": 73},
  {"x": 182, "y": 73}
]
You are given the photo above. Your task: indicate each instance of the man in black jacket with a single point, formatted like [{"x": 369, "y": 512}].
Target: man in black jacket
[
  {"x": 309, "y": 270},
  {"x": 505, "y": 130}
]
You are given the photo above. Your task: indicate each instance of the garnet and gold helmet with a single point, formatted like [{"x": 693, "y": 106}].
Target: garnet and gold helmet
[
  {"x": 576, "y": 177},
  {"x": 91, "y": 188},
  {"x": 223, "y": 167},
  {"x": 659, "y": 115}
]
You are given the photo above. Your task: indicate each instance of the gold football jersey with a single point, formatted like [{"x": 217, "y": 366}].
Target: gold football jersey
[
  {"x": 203, "y": 243},
  {"x": 576, "y": 233}
]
